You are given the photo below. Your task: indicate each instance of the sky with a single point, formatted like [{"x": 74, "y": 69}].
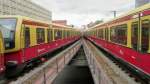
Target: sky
[{"x": 82, "y": 12}]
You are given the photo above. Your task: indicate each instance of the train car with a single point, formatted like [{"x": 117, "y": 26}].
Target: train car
[
  {"x": 2, "y": 64},
  {"x": 27, "y": 41},
  {"x": 127, "y": 38}
]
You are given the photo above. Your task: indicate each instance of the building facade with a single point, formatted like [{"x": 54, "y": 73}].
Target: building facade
[
  {"x": 24, "y": 8},
  {"x": 141, "y": 2}
]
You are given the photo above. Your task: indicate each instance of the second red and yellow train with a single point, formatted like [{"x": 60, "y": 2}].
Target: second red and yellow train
[{"x": 126, "y": 37}]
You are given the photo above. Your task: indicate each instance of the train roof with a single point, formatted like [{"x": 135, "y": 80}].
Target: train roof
[
  {"x": 64, "y": 26},
  {"x": 136, "y": 10},
  {"x": 40, "y": 21},
  {"x": 25, "y": 18}
]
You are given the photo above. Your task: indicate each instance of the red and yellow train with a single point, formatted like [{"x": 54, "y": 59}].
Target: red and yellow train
[
  {"x": 126, "y": 37},
  {"x": 27, "y": 40}
]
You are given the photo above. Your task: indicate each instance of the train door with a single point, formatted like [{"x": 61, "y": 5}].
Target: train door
[
  {"x": 140, "y": 32},
  {"x": 25, "y": 40},
  {"x": 145, "y": 41},
  {"x": 135, "y": 41},
  {"x": 28, "y": 42}
]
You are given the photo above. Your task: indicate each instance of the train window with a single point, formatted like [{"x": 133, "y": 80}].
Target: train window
[
  {"x": 65, "y": 34},
  {"x": 101, "y": 33},
  {"x": 7, "y": 27},
  {"x": 134, "y": 35},
  {"x": 112, "y": 34},
  {"x": 27, "y": 37},
  {"x": 1, "y": 44},
  {"x": 58, "y": 34},
  {"x": 68, "y": 34},
  {"x": 121, "y": 34},
  {"x": 145, "y": 35},
  {"x": 98, "y": 33},
  {"x": 40, "y": 34},
  {"x": 49, "y": 35},
  {"x": 106, "y": 33},
  {"x": 95, "y": 33},
  {"x": 72, "y": 33}
]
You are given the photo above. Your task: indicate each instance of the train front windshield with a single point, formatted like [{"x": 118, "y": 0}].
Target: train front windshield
[{"x": 7, "y": 27}]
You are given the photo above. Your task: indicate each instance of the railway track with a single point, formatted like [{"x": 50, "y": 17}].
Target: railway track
[
  {"x": 33, "y": 68},
  {"x": 76, "y": 72},
  {"x": 133, "y": 73}
]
